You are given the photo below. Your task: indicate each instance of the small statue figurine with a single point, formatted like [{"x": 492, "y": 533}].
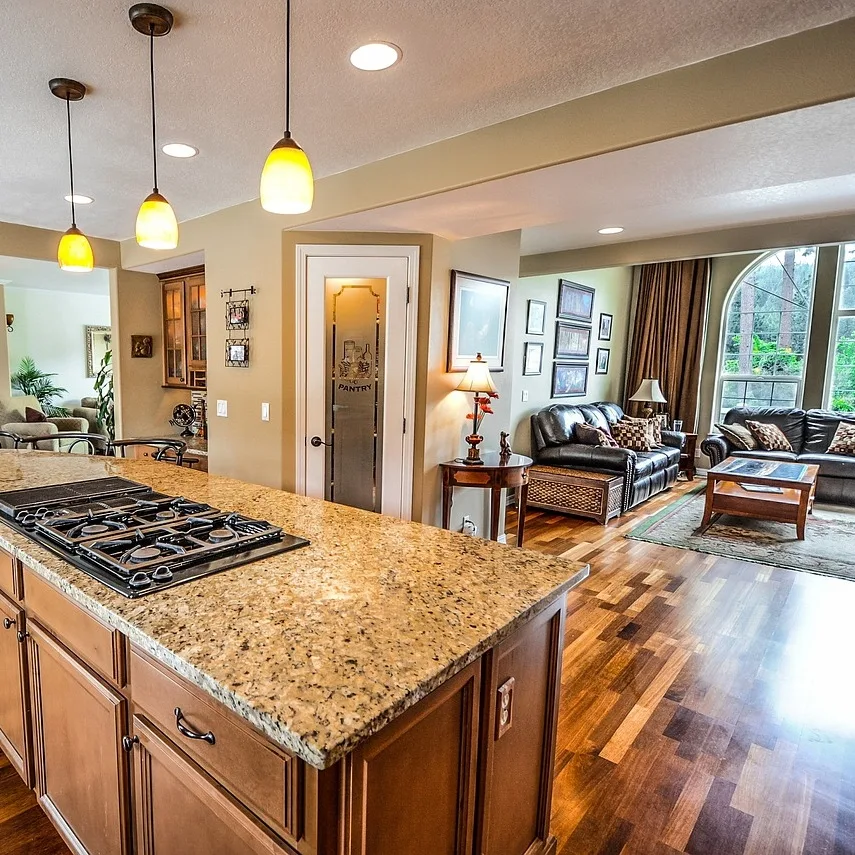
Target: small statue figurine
[{"x": 504, "y": 447}]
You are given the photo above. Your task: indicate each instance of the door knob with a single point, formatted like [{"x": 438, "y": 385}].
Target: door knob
[{"x": 317, "y": 442}]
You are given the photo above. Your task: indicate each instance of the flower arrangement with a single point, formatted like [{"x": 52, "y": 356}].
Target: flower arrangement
[{"x": 482, "y": 407}]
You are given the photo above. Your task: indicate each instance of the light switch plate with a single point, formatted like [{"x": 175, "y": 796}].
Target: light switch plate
[
  {"x": 223, "y": 408},
  {"x": 265, "y": 412},
  {"x": 524, "y": 395},
  {"x": 505, "y": 707}
]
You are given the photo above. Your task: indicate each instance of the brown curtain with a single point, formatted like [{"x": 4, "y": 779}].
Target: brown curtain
[{"x": 668, "y": 334}]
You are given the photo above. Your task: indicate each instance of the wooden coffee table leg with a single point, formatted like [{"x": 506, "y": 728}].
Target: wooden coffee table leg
[
  {"x": 804, "y": 506},
  {"x": 708, "y": 506}
]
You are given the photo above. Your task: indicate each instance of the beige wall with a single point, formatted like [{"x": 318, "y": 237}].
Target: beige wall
[{"x": 613, "y": 294}]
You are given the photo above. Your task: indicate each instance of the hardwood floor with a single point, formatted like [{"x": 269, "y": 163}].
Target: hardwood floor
[{"x": 708, "y": 705}]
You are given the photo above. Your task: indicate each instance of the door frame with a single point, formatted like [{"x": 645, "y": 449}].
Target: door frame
[{"x": 302, "y": 301}]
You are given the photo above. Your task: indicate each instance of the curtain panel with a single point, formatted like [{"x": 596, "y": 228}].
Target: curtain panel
[{"x": 668, "y": 334}]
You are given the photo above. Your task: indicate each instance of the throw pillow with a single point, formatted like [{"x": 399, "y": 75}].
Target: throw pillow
[
  {"x": 844, "y": 439},
  {"x": 769, "y": 437},
  {"x": 738, "y": 436},
  {"x": 32, "y": 415},
  {"x": 590, "y": 435},
  {"x": 654, "y": 429},
  {"x": 635, "y": 435}
]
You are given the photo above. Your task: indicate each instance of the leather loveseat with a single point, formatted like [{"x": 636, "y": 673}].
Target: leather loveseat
[
  {"x": 645, "y": 473},
  {"x": 810, "y": 433}
]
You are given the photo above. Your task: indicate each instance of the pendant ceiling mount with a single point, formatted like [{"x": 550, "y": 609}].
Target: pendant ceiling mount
[
  {"x": 67, "y": 89},
  {"x": 151, "y": 19}
]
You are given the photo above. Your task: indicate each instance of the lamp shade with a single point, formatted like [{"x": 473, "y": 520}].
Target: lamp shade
[
  {"x": 157, "y": 227},
  {"x": 649, "y": 391},
  {"x": 75, "y": 252},
  {"x": 477, "y": 377},
  {"x": 287, "y": 183}
]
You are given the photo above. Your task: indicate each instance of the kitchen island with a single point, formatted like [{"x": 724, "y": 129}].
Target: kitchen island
[{"x": 389, "y": 688}]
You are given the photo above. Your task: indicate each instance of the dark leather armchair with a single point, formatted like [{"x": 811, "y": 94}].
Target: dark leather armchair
[{"x": 645, "y": 473}]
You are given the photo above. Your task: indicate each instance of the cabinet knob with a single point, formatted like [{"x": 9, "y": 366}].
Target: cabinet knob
[
  {"x": 22, "y": 636},
  {"x": 128, "y": 742},
  {"x": 8, "y": 623}
]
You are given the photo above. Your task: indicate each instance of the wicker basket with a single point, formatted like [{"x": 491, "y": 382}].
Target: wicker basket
[{"x": 597, "y": 495}]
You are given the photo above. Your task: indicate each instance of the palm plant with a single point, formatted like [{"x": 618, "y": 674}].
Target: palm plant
[
  {"x": 29, "y": 380},
  {"x": 104, "y": 396}
]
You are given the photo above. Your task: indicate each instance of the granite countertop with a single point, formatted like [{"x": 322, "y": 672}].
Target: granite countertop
[{"x": 321, "y": 647}]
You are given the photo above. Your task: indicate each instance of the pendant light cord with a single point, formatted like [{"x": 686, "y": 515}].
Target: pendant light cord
[
  {"x": 153, "y": 113},
  {"x": 70, "y": 160},
  {"x": 287, "y": 69}
]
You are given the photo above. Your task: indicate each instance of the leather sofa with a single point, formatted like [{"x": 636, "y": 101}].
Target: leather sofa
[
  {"x": 645, "y": 473},
  {"x": 810, "y": 433}
]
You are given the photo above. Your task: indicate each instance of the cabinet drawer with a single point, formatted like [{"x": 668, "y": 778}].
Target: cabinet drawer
[
  {"x": 95, "y": 643},
  {"x": 259, "y": 774},
  {"x": 9, "y": 575}
]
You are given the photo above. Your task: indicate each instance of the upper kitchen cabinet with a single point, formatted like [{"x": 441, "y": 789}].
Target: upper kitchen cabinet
[{"x": 185, "y": 351}]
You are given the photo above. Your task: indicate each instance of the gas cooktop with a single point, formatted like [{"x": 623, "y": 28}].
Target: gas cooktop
[{"x": 135, "y": 540}]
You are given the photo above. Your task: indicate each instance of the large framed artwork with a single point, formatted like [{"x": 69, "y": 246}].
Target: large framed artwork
[
  {"x": 572, "y": 341},
  {"x": 477, "y": 320},
  {"x": 533, "y": 358},
  {"x": 575, "y": 302},
  {"x": 569, "y": 380}
]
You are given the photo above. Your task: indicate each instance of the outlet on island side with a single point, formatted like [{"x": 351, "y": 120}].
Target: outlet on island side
[
  {"x": 223, "y": 408},
  {"x": 524, "y": 395},
  {"x": 469, "y": 527}
]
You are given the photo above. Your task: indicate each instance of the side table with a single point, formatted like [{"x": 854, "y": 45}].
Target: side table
[
  {"x": 495, "y": 475},
  {"x": 687, "y": 456}
]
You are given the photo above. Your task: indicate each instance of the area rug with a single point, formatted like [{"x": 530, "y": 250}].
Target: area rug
[{"x": 826, "y": 549}]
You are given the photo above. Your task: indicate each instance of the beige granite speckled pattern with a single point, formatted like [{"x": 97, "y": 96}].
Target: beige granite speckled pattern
[{"x": 321, "y": 647}]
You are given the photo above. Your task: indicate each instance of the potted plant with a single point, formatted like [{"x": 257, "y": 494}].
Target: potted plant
[
  {"x": 104, "y": 396},
  {"x": 29, "y": 380}
]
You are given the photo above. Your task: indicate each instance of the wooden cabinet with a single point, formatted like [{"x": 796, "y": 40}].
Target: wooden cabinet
[
  {"x": 185, "y": 349},
  {"x": 14, "y": 711},
  {"x": 81, "y": 769}
]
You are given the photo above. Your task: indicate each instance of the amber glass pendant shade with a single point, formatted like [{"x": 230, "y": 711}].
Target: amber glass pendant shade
[
  {"x": 75, "y": 252},
  {"x": 157, "y": 227},
  {"x": 287, "y": 183}
]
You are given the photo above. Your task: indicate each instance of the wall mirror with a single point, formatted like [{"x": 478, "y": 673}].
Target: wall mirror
[{"x": 98, "y": 342}]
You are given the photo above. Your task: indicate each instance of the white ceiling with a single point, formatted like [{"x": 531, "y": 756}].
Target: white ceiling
[
  {"x": 466, "y": 65},
  {"x": 46, "y": 276},
  {"x": 796, "y": 164}
]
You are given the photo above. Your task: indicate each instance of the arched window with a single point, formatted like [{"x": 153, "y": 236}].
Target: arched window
[{"x": 766, "y": 327}]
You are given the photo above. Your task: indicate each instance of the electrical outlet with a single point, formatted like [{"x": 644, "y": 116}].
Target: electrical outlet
[
  {"x": 505, "y": 707},
  {"x": 265, "y": 412},
  {"x": 469, "y": 527},
  {"x": 223, "y": 408},
  {"x": 524, "y": 395}
]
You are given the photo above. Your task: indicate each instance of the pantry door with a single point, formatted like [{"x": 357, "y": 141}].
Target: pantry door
[{"x": 356, "y": 352}]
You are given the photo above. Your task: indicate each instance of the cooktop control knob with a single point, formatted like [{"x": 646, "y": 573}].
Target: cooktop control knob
[
  {"x": 162, "y": 574},
  {"x": 139, "y": 580}
]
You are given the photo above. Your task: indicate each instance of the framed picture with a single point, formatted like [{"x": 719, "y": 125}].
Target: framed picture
[
  {"x": 98, "y": 341},
  {"x": 605, "y": 327},
  {"x": 536, "y": 318},
  {"x": 141, "y": 346},
  {"x": 479, "y": 310},
  {"x": 664, "y": 420},
  {"x": 237, "y": 353},
  {"x": 533, "y": 358},
  {"x": 572, "y": 341},
  {"x": 575, "y": 302},
  {"x": 569, "y": 380},
  {"x": 237, "y": 314},
  {"x": 603, "y": 356}
]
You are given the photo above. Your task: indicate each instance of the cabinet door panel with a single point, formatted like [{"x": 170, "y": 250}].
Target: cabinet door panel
[
  {"x": 14, "y": 735},
  {"x": 181, "y": 809},
  {"x": 81, "y": 770}
]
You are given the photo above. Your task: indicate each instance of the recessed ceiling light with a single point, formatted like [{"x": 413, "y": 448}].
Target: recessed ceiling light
[
  {"x": 78, "y": 199},
  {"x": 611, "y": 230},
  {"x": 375, "y": 56},
  {"x": 180, "y": 149}
]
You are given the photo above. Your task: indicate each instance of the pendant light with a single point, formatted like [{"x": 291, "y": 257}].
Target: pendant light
[
  {"x": 74, "y": 253},
  {"x": 287, "y": 183},
  {"x": 157, "y": 227}
]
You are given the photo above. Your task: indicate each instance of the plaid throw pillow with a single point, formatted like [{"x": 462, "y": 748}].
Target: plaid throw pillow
[
  {"x": 654, "y": 428},
  {"x": 769, "y": 437},
  {"x": 590, "y": 435},
  {"x": 844, "y": 439},
  {"x": 635, "y": 435}
]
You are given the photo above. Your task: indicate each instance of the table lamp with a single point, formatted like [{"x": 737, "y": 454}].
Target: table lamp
[
  {"x": 649, "y": 392},
  {"x": 477, "y": 380}
]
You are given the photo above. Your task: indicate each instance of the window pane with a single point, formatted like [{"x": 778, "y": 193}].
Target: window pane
[
  {"x": 847, "y": 292},
  {"x": 843, "y": 380}
]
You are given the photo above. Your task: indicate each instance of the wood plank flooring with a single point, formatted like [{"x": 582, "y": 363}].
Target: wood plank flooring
[{"x": 708, "y": 705}]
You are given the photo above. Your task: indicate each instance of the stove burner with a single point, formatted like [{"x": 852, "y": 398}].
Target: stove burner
[
  {"x": 144, "y": 553},
  {"x": 220, "y": 535},
  {"x": 91, "y": 530},
  {"x": 165, "y": 515}
]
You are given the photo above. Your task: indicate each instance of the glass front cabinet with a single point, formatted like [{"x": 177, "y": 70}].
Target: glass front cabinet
[{"x": 185, "y": 354}]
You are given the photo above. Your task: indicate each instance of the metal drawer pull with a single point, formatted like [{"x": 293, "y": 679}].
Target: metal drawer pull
[
  {"x": 8, "y": 623},
  {"x": 191, "y": 734}
]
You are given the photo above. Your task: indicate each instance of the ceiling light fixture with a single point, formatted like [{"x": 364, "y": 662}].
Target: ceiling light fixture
[
  {"x": 75, "y": 252},
  {"x": 375, "y": 56},
  {"x": 79, "y": 199},
  {"x": 157, "y": 227},
  {"x": 180, "y": 149},
  {"x": 287, "y": 183},
  {"x": 610, "y": 230}
]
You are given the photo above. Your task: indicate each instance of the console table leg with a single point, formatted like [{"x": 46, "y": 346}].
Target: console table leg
[
  {"x": 522, "y": 503},
  {"x": 495, "y": 509},
  {"x": 447, "y": 500}
]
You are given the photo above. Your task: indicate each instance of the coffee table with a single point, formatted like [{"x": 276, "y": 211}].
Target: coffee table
[{"x": 761, "y": 489}]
